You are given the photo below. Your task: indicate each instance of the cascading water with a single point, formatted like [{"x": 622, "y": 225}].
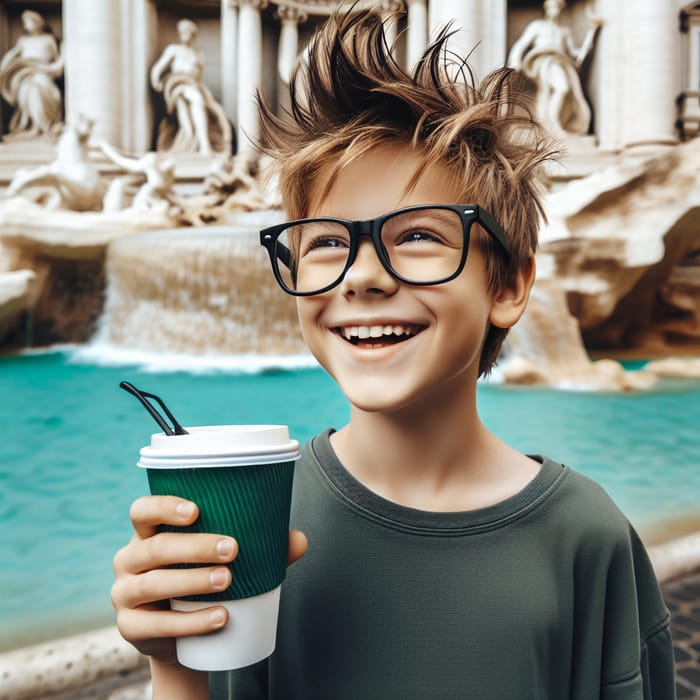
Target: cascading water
[{"x": 196, "y": 291}]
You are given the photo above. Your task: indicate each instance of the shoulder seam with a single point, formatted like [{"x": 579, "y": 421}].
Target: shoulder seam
[
  {"x": 623, "y": 678},
  {"x": 627, "y": 675},
  {"x": 656, "y": 629}
]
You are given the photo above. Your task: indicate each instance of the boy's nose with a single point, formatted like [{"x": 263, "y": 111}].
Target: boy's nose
[{"x": 367, "y": 274}]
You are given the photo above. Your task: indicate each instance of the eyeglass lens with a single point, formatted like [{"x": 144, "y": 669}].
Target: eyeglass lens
[{"x": 421, "y": 246}]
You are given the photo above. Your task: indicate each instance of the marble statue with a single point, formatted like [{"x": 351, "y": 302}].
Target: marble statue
[
  {"x": 71, "y": 180},
  {"x": 243, "y": 182},
  {"x": 227, "y": 174},
  {"x": 27, "y": 79},
  {"x": 195, "y": 120},
  {"x": 155, "y": 194},
  {"x": 545, "y": 53}
]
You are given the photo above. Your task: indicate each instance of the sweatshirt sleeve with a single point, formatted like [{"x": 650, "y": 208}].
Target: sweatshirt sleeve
[
  {"x": 654, "y": 675},
  {"x": 657, "y": 662},
  {"x": 657, "y": 665}
]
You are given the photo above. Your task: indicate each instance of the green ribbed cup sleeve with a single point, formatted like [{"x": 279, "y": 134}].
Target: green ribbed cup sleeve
[{"x": 249, "y": 503}]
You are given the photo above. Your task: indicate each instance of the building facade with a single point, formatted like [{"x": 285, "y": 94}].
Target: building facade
[{"x": 642, "y": 72}]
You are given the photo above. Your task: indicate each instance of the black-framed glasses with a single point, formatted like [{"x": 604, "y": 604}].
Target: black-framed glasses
[{"x": 422, "y": 245}]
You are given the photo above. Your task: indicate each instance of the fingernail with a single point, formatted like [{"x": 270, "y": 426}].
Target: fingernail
[
  {"x": 224, "y": 547},
  {"x": 217, "y": 617},
  {"x": 185, "y": 510},
  {"x": 218, "y": 578}
]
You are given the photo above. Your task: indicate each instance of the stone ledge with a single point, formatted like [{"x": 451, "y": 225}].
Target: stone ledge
[
  {"x": 64, "y": 667},
  {"x": 677, "y": 558}
]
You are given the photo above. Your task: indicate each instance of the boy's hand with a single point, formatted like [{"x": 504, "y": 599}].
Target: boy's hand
[{"x": 143, "y": 584}]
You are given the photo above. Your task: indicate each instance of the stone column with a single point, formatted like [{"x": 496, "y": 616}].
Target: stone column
[
  {"x": 287, "y": 51},
  {"x": 388, "y": 10},
  {"x": 481, "y": 26},
  {"x": 229, "y": 58},
  {"x": 494, "y": 18},
  {"x": 288, "y": 48},
  {"x": 463, "y": 16},
  {"x": 417, "y": 35},
  {"x": 651, "y": 72},
  {"x": 93, "y": 72},
  {"x": 249, "y": 70},
  {"x": 4, "y": 46},
  {"x": 137, "y": 48},
  {"x": 608, "y": 63}
]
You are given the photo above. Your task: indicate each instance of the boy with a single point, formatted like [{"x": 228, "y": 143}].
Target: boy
[{"x": 442, "y": 563}]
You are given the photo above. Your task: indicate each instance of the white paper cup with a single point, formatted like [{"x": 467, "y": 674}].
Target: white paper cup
[{"x": 240, "y": 477}]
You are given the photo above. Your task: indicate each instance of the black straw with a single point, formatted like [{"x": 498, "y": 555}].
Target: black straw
[{"x": 142, "y": 396}]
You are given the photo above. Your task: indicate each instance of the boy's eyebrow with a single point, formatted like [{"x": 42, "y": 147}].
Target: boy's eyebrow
[{"x": 444, "y": 214}]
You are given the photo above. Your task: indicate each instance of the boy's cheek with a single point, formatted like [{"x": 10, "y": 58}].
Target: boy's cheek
[{"x": 311, "y": 328}]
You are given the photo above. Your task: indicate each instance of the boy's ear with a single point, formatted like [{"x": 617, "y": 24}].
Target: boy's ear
[{"x": 509, "y": 302}]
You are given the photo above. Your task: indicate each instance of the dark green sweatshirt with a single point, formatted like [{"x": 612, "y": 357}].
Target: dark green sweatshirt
[{"x": 547, "y": 595}]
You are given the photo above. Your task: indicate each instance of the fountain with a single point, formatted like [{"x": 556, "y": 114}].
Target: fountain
[
  {"x": 197, "y": 291},
  {"x": 612, "y": 277},
  {"x": 613, "y": 244}
]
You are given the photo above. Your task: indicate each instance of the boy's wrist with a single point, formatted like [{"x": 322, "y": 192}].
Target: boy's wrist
[{"x": 176, "y": 682}]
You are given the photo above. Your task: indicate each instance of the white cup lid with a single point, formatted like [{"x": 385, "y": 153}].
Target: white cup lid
[{"x": 220, "y": 446}]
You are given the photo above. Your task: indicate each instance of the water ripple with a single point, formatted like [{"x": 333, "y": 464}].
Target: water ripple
[{"x": 71, "y": 440}]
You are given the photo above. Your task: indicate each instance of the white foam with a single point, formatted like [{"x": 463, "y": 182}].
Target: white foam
[
  {"x": 108, "y": 355},
  {"x": 49, "y": 349}
]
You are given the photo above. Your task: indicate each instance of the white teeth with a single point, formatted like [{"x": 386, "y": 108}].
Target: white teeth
[{"x": 363, "y": 332}]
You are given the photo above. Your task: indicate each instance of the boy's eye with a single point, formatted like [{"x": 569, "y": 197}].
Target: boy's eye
[
  {"x": 322, "y": 242},
  {"x": 326, "y": 242},
  {"x": 418, "y": 236}
]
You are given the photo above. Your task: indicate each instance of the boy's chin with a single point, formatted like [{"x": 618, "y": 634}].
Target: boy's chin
[{"x": 371, "y": 395}]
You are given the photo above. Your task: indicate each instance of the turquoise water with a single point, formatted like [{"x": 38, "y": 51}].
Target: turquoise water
[{"x": 70, "y": 439}]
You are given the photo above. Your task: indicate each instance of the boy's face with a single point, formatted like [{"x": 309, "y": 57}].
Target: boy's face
[{"x": 440, "y": 328}]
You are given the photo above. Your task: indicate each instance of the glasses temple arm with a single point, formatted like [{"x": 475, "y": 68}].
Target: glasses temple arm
[
  {"x": 284, "y": 254},
  {"x": 494, "y": 229}
]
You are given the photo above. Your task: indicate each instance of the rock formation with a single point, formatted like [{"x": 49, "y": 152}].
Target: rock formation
[
  {"x": 15, "y": 298},
  {"x": 617, "y": 260}
]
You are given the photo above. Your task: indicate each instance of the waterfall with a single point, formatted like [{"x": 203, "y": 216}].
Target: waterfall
[{"x": 196, "y": 291}]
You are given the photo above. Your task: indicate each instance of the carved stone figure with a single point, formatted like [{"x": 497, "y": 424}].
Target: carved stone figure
[
  {"x": 243, "y": 182},
  {"x": 195, "y": 120},
  {"x": 27, "y": 79},
  {"x": 72, "y": 180},
  {"x": 155, "y": 194},
  {"x": 545, "y": 53},
  {"x": 228, "y": 174}
]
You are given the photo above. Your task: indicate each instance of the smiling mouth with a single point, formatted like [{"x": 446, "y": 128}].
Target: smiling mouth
[{"x": 378, "y": 336}]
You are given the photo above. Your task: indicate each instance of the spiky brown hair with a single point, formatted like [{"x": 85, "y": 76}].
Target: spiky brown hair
[{"x": 350, "y": 95}]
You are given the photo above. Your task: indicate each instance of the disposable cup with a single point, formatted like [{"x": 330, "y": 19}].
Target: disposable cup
[{"x": 240, "y": 477}]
